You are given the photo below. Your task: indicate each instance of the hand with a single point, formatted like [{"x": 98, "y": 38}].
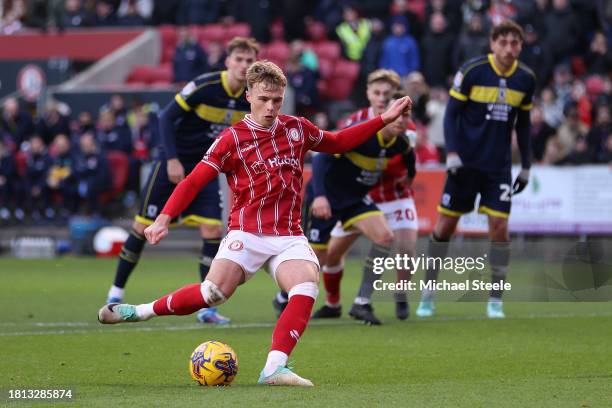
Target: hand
[
  {"x": 521, "y": 181},
  {"x": 453, "y": 164},
  {"x": 176, "y": 172},
  {"x": 321, "y": 208},
  {"x": 399, "y": 107},
  {"x": 158, "y": 230}
]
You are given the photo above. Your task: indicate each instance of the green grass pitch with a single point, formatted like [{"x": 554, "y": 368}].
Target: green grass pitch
[{"x": 542, "y": 355}]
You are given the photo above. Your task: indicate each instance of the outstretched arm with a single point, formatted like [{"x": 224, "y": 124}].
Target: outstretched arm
[
  {"x": 181, "y": 197},
  {"x": 349, "y": 138}
]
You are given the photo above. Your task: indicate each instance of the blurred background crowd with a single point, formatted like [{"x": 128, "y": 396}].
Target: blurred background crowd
[{"x": 60, "y": 160}]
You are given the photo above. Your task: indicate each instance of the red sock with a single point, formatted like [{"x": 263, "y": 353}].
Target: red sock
[
  {"x": 332, "y": 286},
  {"x": 183, "y": 301},
  {"x": 292, "y": 323}
]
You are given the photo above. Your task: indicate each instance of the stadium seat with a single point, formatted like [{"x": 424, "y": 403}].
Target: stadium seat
[
  {"x": 277, "y": 52},
  {"x": 238, "y": 30},
  {"x": 346, "y": 69},
  {"x": 168, "y": 35},
  {"x": 316, "y": 31},
  {"x": 210, "y": 32},
  {"x": 167, "y": 54},
  {"x": 326, "y": 67},
  {"x": 161, "y": 73},
  {"x": 21, "y": 163},
  {"x": 119, "y": 163},
  {"x": 328, "y": 49},
  {"x": 338, "y": 88},
  {"x": 140, "y": 73}
]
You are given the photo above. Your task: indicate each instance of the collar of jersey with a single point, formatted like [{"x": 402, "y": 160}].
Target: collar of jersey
[
  {"x": 497, "y": 70},
  {"x": 226, "y": 87},
  {"x": 252, "y": 124},
  {"x": 381, "y": 141}
]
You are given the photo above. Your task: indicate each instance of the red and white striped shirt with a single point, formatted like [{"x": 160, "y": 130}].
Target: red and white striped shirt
[{"x": 392, "y": 185}]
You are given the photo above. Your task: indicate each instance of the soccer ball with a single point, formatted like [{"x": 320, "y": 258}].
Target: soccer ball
[{"x": 213, "y": 363}]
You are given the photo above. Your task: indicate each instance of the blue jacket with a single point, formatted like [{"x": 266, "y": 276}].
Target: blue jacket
[{"x": 400, "y": 54}]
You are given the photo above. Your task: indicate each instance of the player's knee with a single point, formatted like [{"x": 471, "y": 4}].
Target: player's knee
[
  {"x": 384, "y": 237},
  {"x": 333, "y": 259},
  {"x": 210, "y": 231},
  {"x": 310, "y": 289},
  {"x": 139, "y": 227},
  {"x": 499, "y": 230},
  {"x": 211, "y": 293}
]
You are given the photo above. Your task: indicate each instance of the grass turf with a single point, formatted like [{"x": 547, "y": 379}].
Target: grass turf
[{"x": 542, "y": 355}]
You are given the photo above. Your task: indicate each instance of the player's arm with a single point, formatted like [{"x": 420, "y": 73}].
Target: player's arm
[
  {"x": 167, "y": 120},
  {"x": 349, "y": 138},
  {"x": 181, "y": 197},
  {"x": 456, "y": 103},
  {"x": 523, "y": 131},
  {"x": 321, "y": 163}
]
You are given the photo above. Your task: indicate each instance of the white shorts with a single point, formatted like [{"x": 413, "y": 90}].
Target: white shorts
[
  {"x": 400, "y": 214},
  {"x": 252, "y": 251}
]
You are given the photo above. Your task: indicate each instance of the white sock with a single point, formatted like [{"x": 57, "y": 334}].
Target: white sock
[
  {"x": 145, "y": 311},
  {"x": 275, "y": 358},
  {"x": 116, "y": 292},
  {"x": 361, "y": 301}
]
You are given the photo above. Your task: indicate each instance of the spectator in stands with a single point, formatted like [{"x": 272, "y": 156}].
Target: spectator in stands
[
  {"x": 190, "y": 59},
  {"x": 92, "y": 172},
  {"x": 436, "y": 107},
  {"x": 8, "y": 173},
  {"x": 501, "y": 10},
  {"x": 144, "y": 8},
  {"x": 552, "y": 153},
  {"x": 113, "y": 137},
  {"x": 473, "y": 41},
  {"x": 541, "y": 132},
  {"x": 106, "y": 15},
  {"x": 13, "y": 14},
  {"x": 354, "y": 33},
  {"x": 536, "y": 56},
  {"x": 15, "y": 123},
  {"x": 415, "y": 27},
  {"x": 570, "y": 130},
  {"x": 371, "y": 54},
  {"x": 605, "y": 156},
  {"x": 165, "y": 12},
  {"x": 75, "y": 15},
  {"x": 52, "y": 123},
  {"x": 599, "y": 59},
  {"x": 60, "y": 178},
  {"x": 450, "y": 10},
  {"x": 199, "y": 12},
  {"x": 145, "y": 134},
  {"x": 580, "y": 154},
  {"x": 117, "y": 106},
  {"x": 130, "y": 16},
  {"x": 598, "y": 135},
  {"x": 305, "y": 55},
  {"x": 400, "y": 51},
  {"x": 304, "y": 82},
  {"x": 85, "y": 122},
  {"x": 215, "y": 61},
  {"x": 552, "y": 108},
  {"x": 437, "y": 47},
  {"x": 562, "y": 30},
  {"x": 426, "y": 152},
  {"x": 38, "y": 163}
]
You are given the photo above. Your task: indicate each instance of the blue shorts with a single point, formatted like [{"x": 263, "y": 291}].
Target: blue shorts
[
  {"x": 318, "y": 230},
  {"x": 460, "y": 191},
  {"x": 206, "y": 207}
]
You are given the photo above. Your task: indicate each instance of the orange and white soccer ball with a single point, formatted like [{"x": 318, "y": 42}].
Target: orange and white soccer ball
[{"x": 213, "y": 363}]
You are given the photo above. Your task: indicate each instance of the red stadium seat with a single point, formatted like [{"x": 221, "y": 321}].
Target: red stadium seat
[
  {"x": 237, "y": 30},
  {"x": 119, "y": 164},
  {"x": 346, "y": 69},
  {"x": 21, "y": 163},
  {"x": 326, "y": 67},
  {"x": 210, "y": 32},
  {"x": 277, "y": 51},
  {"x": 167, "y": 54},
  {"x": 162, "y": 73},
  {"x": 338, "y": 88},
  {"x": 140, "y": 73},
  {"x": 168, "y": 35},
  {"x": 328, "y": 49},
  {"x": 316, "y": 31}
]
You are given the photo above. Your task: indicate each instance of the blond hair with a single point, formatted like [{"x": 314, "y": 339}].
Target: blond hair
[
  {"x": 243, "y": 44},
  {"x": 386, "y": 75},
  {"x": 265, "y": 71}
]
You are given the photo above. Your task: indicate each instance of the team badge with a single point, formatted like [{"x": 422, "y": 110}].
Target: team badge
[
  {"x": 235, "y": 245},
  {"x": 294, "y": 134}
]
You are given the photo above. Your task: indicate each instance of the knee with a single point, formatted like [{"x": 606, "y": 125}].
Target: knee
[
  {"x": 499, "y": 230},
  {"x": 333, "y": 259},
  {"x": 211, "y": 293},
  {"x": 210, "y": 231},
  {"x": 138, "y": 227},
  {"x": 308, "y": 288},
  {"x": 384, "y": 237}
]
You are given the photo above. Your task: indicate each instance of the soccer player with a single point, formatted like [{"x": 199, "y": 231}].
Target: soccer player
[
  {"x": 392, "y": 196},
  {"x": 491, "y": 95},
  {"x": 263, "y": 159},
  {"x": 188, "y": 126}
]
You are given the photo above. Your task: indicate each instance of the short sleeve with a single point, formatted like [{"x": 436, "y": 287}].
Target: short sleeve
[
  {"x": 218, "y": 155},
  {"x": 461, "y": 84},
  {"x": 189, "y": 96},
  {"x": 312, "y": 134}
]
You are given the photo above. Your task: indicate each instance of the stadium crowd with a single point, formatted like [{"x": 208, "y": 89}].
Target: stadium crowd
[{"x": 57, "y": 161}]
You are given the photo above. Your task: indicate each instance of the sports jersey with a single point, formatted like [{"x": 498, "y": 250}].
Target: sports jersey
[
  {"x": 349, "y": 176},
  {"x": 211, "y": 108},
  {"x": 481, "y": 133}
]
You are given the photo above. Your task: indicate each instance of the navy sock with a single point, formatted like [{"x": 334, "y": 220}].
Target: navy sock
[
  {"x": 499, "y": 257},
  {"x": 209, "y": 250},
  {"x": 437, "y": 248},
  {"x": 128, "y": 258}
]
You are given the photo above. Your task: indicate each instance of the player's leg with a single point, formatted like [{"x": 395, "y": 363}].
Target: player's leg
[
  {"x": 223, "y": 278},
  {"x": 296, "y": 271},
  {"x": 332, "y": 270},
  {"x": 371, "y": 222},
  {"x": 404, "y": 244},
  {"x": 154, "y": 194},
  {"x": 495, "y": 202}
]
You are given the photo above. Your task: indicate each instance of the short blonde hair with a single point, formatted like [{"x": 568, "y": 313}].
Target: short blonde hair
[
  {"x": 243, "y": 44},
  {"x": 265, "y": 71},
  {"x": 386, "y": 75}
]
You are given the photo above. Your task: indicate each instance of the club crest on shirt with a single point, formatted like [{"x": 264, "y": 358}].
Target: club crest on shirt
[
  {"x": 236, "y": 245},
  {"x": 294, "y": 135}
]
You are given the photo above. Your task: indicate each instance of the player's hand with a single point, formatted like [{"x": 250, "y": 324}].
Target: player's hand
[
  {"x": 402, "y": 106},
  {"x": 176, "y": 171},
  {"x": 158, "y": 230},
  {"x": 453, "y": 164},
  {"x": 321, "y": 208},
  {"x": 521, "y": 181}
]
